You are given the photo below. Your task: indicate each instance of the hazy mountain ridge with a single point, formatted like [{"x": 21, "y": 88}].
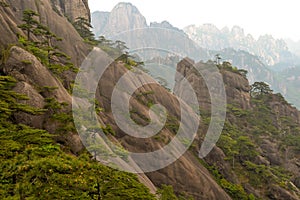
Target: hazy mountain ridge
[
  {"x": 270, "y": 50},
  {"x": 293, "y": 46}
]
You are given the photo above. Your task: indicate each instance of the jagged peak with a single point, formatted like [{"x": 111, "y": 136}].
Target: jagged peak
[{"x": 126, "y": 5}]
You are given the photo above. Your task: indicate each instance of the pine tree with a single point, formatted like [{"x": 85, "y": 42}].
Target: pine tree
[
  {"x": 83, "y": 27},
  {"x": 47, "y": 42},
  {"x": 30, "y": 23},
  {"x": 260, "y": 88}
]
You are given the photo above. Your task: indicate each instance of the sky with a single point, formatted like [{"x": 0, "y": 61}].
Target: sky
[{"x": 257, "y": 17}]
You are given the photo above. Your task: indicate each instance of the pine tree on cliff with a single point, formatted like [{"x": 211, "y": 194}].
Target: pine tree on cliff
[
  {"x": 260, "y": 88},
  {"x": 83, "y": 27},
  {"x": 30, "y": 23},
  {"x": 47, "y": 42}
]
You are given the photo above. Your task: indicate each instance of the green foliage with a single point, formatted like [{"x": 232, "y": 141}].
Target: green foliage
[
  {"x": 32, "y": 165},
  {"x": 118, "y": 50},
  {"x": 44, "y": 49},
  {"x": 9, "y": 99},
  {"x": 166, "y": 192},
  {"x": 235, "y": 143},
  {"x": 172, "y": 124},
  {"x": 259, "y": 89},
  {"x": 236, "y": 191},
  {"x": 33, "y": 48},
  {"x": 30, "y": 24},
  {"x": 261, "y": 174},
  {"x": 83, "y": 27},
  {"x": 293, "y": 141},
  {"x": 242, "y": 134},
  {"x": 58, "y": 113},
  {"x": 243, "y": 72},
  {"x": 238, "y": 112},
  {"x": 228, "y": 66},
  {"x": 108, "y": 130},
  {"x": 26, "y": 62}
]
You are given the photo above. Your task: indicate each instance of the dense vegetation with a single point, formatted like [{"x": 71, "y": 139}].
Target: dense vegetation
[
  {"x": 32, "y": 164},
  {"x": 242, "y": 135}
]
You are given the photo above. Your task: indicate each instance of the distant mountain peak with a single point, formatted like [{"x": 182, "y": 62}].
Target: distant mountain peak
[
  {"x": 270, "y": 50},
  {"x": 122, "y": 4},
  {"x": 128, "y": 7},
  {"x": 123, "y": 17}
]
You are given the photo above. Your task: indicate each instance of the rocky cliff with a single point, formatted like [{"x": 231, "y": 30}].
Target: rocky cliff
[
  {"x": 237, "y": 87},
  {"x": 256, "y": 157},
  {"x": 186, "y": 175},
  {"x": 72, "y": 9},
  {"x": 52, "y": 14},
  {"x": 263, "y": 125}
]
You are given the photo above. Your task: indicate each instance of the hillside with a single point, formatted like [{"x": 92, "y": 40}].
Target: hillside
[
  {"x": 41, "y": 154},
  {"x": 65, "y": 133},
  {"x": 258, "y": 150}
]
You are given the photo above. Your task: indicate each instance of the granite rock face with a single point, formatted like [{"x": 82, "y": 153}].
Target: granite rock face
[
  {"x": 52, "y": 14},
  {"x": 72, "y": 9},
  {"x": 236, "y": 86},
  {"x": 31, "y": 78}
]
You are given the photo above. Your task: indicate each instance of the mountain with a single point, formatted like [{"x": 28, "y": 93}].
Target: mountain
[
  {"x": 157, "y": 43},
  {"x": 257, "y": 136},
  {"x": 127, "y": 17},
  {"x": 40, "y": 147},
  {"x": 41, "y": 154},
  {"x": 72, "y": 10},
  {"x": 293, "y": 46},
  {"x": 47, "y": 153},
  {"x": 52, "y": 14},
  {"x": 101, "y": 19},
  {"x": 271, "y": 51},
  {"x": 127, "y": 24}
]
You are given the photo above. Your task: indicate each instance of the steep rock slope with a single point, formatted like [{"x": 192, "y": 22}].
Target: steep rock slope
[
  {"x": 72, "y": 43},
  {"x": 255, "y": 149},
  {"x": 32, "y": 78},
  {"x": 73, "y": 9},
  {"x": 186, "y": 175}
]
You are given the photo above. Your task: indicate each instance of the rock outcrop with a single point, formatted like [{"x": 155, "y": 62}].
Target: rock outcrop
[
  {"x": 11, "y": 16},
  {"x": 73, "y": 9},
  {"x": 33, "y": 78},
  {"x": 272, "y": 148},
  {"x": 237, "y": 87}
]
